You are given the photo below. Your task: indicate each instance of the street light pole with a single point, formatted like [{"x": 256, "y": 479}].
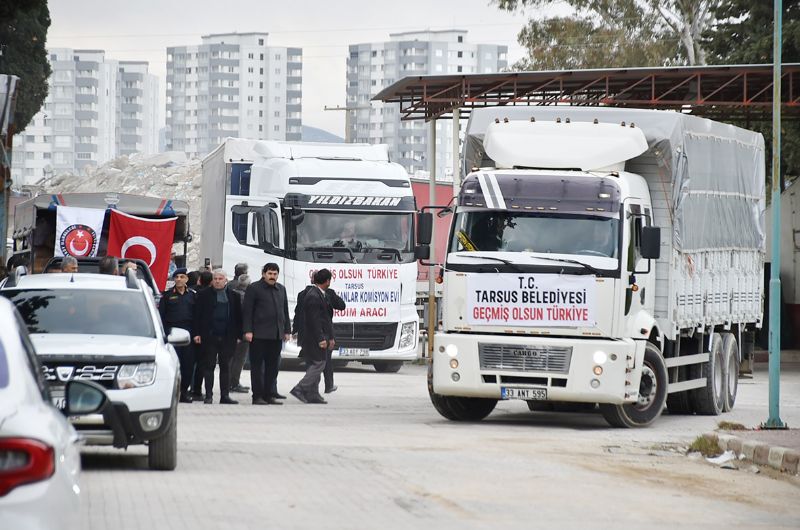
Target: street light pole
[
  {"x": 432, "y": 268},
  {"x": 774, "y": 421}
]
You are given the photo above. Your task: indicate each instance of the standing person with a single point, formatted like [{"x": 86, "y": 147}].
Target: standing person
[
  {"x": 266, "y": 325},
  {"x": 197, "y": 372},
  {"x": 238, "y": 270},
  {"x": 176, "y": 308},
  {"x": 204, "y": 281},
  {"x": 335, "y": 302},
  {"x": 194, "y": 276},
  {"x": 239, "y": 285},
  {"x": 217, "y": 327},
  {"x": 317, "y": 338}
]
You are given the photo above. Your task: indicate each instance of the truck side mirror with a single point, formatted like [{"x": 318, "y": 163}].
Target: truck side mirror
[
  {"x": 422, "y": 252},
  {"x": 651, "y": 242},
  {"x": 424, "y": 228}
]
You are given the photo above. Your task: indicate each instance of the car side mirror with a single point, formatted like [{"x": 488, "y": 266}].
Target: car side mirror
[
  {"x": 422, "y": 252},
  {"x": 178, "y": 337},
  {"x": 424, "y": 228},
  {"x": 83, "y": 397},
  {"x": 651, "y": 242}
]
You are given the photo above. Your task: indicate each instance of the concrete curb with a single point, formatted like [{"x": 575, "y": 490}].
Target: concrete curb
[{"x": 780, "y": 458}]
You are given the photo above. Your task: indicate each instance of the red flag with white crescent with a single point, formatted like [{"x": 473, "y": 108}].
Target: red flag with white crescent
[
  {"x": 78, "y": 231},
  {"x": 149, "y": 240}
]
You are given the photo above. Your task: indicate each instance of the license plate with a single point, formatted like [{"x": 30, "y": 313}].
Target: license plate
[
  {"x": 530, "y": 394},
  {"x": 58, "y": 397},
  {"x": 353, "y": 352}
]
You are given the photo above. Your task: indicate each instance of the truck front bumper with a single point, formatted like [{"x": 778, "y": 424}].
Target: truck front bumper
[{"x": 571, "y": 369}]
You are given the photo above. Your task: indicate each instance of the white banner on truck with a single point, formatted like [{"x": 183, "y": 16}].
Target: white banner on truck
[
  {"x": 530, "y": 300},
  {"x": 371, "y": 292},
  {"x": 78, "y": 231}
]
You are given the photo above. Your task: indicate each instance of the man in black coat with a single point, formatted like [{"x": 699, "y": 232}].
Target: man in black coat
[
  {"x": 266, "y": 325},
  {"x": 176, "y": 308},
  {"x": 217, "y": 327},
  {"x": 317, "y": 338},
  {"x": 335, "y": 302}
]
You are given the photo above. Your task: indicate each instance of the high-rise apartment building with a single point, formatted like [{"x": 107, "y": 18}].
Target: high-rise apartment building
[
  {"x": 371, "y": 67},
  {"x": 235, "y": 85},
  {"x": 80, "y": 122}
]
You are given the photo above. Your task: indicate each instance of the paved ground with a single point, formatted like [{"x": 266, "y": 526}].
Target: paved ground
[{"x": 379, "y": 456}]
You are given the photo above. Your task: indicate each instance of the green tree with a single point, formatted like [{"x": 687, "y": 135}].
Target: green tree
[
  {"x": 742, "y": 34},
  {"x": 614, "y": 33},
  {"x": 23, "y": 34}
]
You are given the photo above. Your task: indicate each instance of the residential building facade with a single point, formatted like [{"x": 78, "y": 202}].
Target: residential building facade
[
  {"x": 234, "y": 85},
  {"x": 371, "y": 67},
  {"x": 79, "y": 124}
]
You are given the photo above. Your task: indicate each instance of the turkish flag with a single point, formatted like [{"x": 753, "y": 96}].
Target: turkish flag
[{"x": 149, "y": 240}]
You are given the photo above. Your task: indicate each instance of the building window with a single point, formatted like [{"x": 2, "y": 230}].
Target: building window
[
  {"x": 249, "y": 55},
  {"x": 277, "y": 56},
  {"x": 261, "y": 71},
  {"x": 250, "y": 70},
  {"x": 260, "y": 42},
  {"x": 460, "y": 54},
  {"x": 276, "y": 128},
  {"x": 260, "y": 128},
  {"x": 277, "y": 70},
  {"x": 459, "y": 68},
  {"x": 261, "y": 99},
  {"x": 84, "y": 156},
  {"x": 461, "y": 38},
  {"x": 260, "y": 113}
]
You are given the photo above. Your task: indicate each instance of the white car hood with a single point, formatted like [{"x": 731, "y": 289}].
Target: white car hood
[{"x": 116, "y": 346}]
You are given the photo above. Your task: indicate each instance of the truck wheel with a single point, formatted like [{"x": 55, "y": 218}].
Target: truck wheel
[
  {"x": 459, "y": 408},
  {"x": 652, "y": 394},
  {"x": 386, "y": 367},
  {"x": 730, "y": 352},
  {"x": 162, "y": 453},
  {"x": 710, "y": 399}
]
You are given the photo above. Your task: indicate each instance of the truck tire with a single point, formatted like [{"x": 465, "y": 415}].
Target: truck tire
[
  {"x": 459, "y": 408},
  {"x": 386, "y": 367},
  {"x": 162, "y": 453},
  {"x": 710, "y": 399},
  {"x": 730, "y": 352},
  {"x": 652, "y": 394}
]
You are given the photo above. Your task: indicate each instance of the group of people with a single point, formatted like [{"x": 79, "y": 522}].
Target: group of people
[{"x": 229, "y": 320}]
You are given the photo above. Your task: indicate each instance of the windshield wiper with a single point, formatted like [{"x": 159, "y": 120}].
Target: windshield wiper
[
  {"x": 333, "y": 249},
  {"x": 514, "y": 266},
  {"x": 574, "y": 261},
  {"x": 390, "y": 250}
]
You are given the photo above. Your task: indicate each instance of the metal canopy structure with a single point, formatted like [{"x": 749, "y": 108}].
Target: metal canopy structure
[{"x": 742, "y": 91}]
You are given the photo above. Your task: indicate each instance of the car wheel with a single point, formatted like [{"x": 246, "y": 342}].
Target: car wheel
[{"x": 162, "y": 453}]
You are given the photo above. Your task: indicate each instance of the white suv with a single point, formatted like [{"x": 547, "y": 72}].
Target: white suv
[{"x": 106, "y": 329}]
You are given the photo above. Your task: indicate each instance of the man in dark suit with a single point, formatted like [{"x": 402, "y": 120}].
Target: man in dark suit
[
  {"x": 317, "y": 338},
  {"x": 217, "y": 327},
  {"x": 334, "y": 302},
  {"x": 266, "y": 325}
]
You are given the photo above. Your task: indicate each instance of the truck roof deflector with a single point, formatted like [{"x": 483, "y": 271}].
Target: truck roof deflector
[{"x": 526, "y": 144}]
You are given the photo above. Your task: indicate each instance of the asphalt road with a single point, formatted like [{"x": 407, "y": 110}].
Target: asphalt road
[{"x": 379, "y": 456}]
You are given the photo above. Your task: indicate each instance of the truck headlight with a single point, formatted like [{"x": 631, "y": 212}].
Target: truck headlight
[
  {"x": 407, "y": 335},
  {"x": 136, "y": 375}
]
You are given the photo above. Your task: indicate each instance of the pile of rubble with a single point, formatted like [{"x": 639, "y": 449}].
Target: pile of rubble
[{"x": 168, "y": 175}]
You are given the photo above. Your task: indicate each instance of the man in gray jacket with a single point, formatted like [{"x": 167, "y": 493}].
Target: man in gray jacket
[{"x": 266, "y": 324}]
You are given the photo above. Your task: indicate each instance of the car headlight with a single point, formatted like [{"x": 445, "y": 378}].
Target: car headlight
[
  {"x": 136, "y": 375},
  {"x": 407, "y": 335}
]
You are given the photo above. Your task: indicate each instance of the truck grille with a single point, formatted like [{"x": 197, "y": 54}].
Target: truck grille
[
  {"x": 102, "y": 374},
  {"x": 552, "y": 359},
  {"x": 376, "y": 337}
]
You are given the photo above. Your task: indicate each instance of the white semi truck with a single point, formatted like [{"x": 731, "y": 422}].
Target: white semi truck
[
  {"x": 600, "y": 256},
  {"x": 307, "y": 206}
]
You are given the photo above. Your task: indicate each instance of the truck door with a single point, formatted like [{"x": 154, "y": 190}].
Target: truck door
[{"x": 253, "y": 233}]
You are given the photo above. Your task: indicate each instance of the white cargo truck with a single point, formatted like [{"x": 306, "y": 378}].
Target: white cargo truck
[
  {"x": 600, "y": 256},
  {"x": 307, "y": 206}
]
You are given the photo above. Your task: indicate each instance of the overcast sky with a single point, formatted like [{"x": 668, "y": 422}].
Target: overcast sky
[{"x": 142, "y": 30}]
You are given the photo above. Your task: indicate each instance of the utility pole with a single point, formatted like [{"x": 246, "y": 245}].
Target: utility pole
[{"x": 774, "y": 420}]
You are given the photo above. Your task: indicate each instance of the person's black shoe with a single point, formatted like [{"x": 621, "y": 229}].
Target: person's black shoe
[
  {"x": 277, "y": 396},
  {"x": 197, "y": 396},
  {"x": 239, "y": 389},
  {"x": 208, "y": 400},
  {"x": 273, "y": 401},
  {"x": 226, "y": 400},
  {"x": 334, "y": 388},
  {"x": 185, "y": 398},
  {"x": 259, "y": 401},
  {"x": 296, "y": 392},
  {"x": 316, "y": 400}
]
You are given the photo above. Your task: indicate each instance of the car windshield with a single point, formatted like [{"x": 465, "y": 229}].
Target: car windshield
[
  {"x": 83, "y": 311},
  {"x": 368, "y": 237},
  {"x": 493, "y": 231}
]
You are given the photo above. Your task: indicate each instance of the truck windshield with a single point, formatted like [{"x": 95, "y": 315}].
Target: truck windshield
[
  {"x": 368, "y": 237},
  {"x": 505, "y": 231},
  {"x": 83, "y": 311}
]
